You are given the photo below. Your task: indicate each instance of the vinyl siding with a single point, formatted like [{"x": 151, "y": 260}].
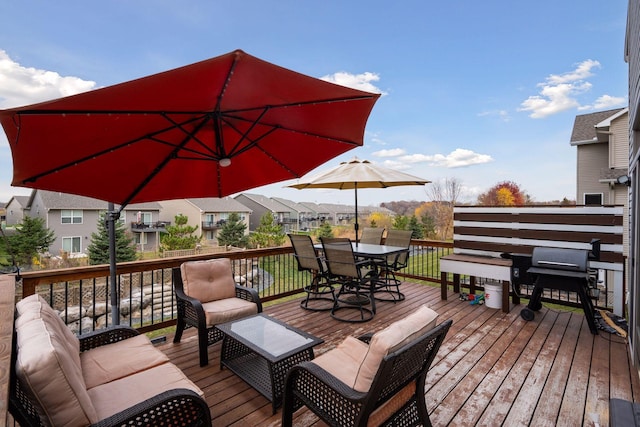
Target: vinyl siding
[
  {"x": 619, "y": 143},
  {"x": 591, "y": 159}
]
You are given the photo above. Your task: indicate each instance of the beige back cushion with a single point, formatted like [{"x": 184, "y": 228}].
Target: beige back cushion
[
  {"x": 49, "y": 366},
  {"x": 208, "y": 280},
  {"x": 391, "y": 338}
]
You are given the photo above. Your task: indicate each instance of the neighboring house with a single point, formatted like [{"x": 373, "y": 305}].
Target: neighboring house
[
  {"x": 208, "y": 214},
  {"x": 15, "y": 209},
  {"x": 320, "y": 214},
  {"x": 602, "y": 142},
  {"x": 339, "y": 214},
  {"x": 73, "y": 218},
  {"x": 304, "y": 216},
  {"x": 145, "y": 223},
  {"x": 260, "y": 205}
]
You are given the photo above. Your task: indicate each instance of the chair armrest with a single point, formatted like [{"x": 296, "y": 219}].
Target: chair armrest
[
  {"x": 309, "y": 383},
  {"x": 249, "y": 294},
  {"x": 106, "y": 336},
  {"x": 181, "y": 406}
]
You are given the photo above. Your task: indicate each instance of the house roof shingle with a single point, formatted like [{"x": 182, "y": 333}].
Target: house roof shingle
[{"x": 584, "y": 125}]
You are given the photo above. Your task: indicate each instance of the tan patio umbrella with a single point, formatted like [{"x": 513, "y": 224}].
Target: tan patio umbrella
[{"x": 356, "y": 174}]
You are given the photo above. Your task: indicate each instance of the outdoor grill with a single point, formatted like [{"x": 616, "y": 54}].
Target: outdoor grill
[{"x": 560, "y": 269}]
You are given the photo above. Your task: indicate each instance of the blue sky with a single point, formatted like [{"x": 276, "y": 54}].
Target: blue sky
[{"x": 479, "y": 91}]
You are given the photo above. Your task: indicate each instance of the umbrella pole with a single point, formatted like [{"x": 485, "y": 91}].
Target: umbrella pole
[
  {"x": 112, "y": 216},
  {"x": 356, "y": 224}
]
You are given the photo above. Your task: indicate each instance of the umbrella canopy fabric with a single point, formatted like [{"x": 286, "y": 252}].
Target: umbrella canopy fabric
[
  {"x": 208, "y": 129},
  {"x": 356, "y": 174}
]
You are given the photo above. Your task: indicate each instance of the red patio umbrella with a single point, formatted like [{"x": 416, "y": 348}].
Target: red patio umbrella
[{"x": 209, "y": 129}]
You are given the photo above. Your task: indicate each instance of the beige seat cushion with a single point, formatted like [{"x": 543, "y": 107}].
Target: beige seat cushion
[
  {"x": 228, "y": 309},
  {"x": 106, "y": 363},
  {"x": 208, "y": 280},
  {"x": 115, "y": 396},
  {"x": 343, "y": 362},
  {"x": 391, "y": 338},
  {"x": 52, "y": 374}
]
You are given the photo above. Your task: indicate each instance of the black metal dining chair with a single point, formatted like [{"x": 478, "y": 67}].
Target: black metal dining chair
[
  {"x": 320, "y": 288},
  {"x": 357, "y": 279},
  {"x": 393, "y": 263}
]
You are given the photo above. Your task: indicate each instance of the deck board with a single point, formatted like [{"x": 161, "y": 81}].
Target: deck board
[{"x": 493, "y": 367}]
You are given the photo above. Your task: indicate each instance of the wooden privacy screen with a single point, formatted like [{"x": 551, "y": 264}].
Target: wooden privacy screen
[
  {"x": 493, "y": 230},
  {"x": 490, "y": 231}
]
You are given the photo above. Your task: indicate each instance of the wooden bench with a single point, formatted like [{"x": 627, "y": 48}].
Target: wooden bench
[
  {"x": 477, "y": 266},
  {"x": 481, "y": 234}
]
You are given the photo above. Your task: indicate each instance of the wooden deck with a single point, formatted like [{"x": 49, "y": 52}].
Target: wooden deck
[{"x": 493, "y": 368}]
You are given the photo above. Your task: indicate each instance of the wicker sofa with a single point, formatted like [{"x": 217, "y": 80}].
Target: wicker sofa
[{"x": 109, "y": 377}]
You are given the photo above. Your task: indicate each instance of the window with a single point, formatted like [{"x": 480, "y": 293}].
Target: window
[
  {"x": 140, "y": 238},
  {"x": 71, "y": 216},
  {"x": 593, "y": 199},
  {"x": 71, "y": 245}
]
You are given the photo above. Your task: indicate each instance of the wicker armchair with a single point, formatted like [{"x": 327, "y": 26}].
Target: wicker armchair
[
  {"x": 321, "y": 288},
  {"x": 165, "y": 408},
  {"x": 395, "y": 396},
  {"x": 207, "y": 295},
  {"x": 357, "y": 278},
  {"x": 393, "y": 263}
]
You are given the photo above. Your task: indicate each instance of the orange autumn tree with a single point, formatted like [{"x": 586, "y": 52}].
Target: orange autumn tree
[{"x": 506, "y": 193}]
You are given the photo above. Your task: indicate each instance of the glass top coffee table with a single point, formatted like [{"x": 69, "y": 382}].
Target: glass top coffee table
[{"x": 261, "y": 350}]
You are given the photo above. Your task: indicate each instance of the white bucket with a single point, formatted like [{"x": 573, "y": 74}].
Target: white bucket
[{"x": 493, "y": 295}]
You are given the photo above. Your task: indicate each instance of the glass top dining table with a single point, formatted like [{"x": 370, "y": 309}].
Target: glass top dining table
[{"x": 369, "y": 250}]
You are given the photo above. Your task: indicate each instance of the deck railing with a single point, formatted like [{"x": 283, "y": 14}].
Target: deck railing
[{"x": 145, "y": 288}]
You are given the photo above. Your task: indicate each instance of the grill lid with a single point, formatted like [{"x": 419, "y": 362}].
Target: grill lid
[{"x": 560, "y": 259}]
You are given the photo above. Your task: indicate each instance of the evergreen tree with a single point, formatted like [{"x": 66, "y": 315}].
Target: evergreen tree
[
  {"x": 400, "y": 222},
  {"x": 325, "y": 230},
  {"x": 268, "y": 233},
  {"x": 98, "y": 249},
  {"x": 417, "y": 231},
  {"x": 180, "y": 235},
  {"x": 429, "y": 226},
  {"x": 31, "y": 238},
  {"x": 232, "y": 232}
]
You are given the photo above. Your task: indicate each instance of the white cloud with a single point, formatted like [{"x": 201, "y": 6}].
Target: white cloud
[
  {"x": 459, "y": 157},
  {"x": 356, "y": 81},
  {"x": 559, "y": 93},
  {"x": 394, "y": 152},
  {"x": 605, "y": 102},
  {"x": 503, "y": 115},
  {"x": 582, "y": 71},
  {"x": 27, "y": 85}
]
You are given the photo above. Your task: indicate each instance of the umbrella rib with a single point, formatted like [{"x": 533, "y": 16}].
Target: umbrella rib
[
  {"x": 301, "y": 132},
  {"x": 74, "y": 162},
  {"x": 160, "y": 166},
  {"x": 299, "y": 103}
]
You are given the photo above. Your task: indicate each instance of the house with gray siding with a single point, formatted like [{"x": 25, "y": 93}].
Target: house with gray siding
[
  {"x": 209, "y": 214},
  {"x": 602, "y": 143},
  {"x": 303, "y": 216},
  {"x": 73, "y": 218},
  {"x": 15, "y": 210},
  {"x": 260, "y": 205},
  {"x": 602, "y": 149}
]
